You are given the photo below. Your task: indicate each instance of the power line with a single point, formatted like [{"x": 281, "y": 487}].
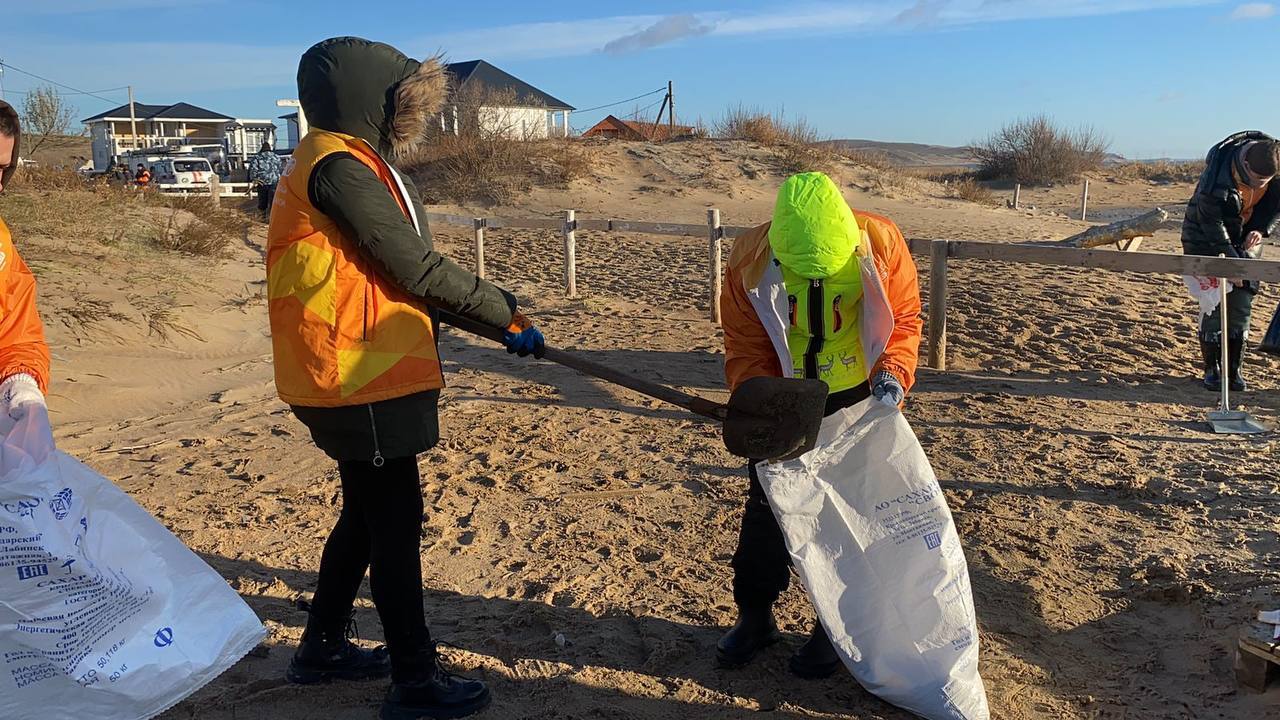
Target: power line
[
  {"x": 7, "y": 66},
  {"x": 69, "y": 94},
  {"x": 622, "y": 102},
  {"x": 638, "y": 112}
]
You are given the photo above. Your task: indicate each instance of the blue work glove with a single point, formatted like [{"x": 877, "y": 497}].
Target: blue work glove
[
  {"x": 522, "y": 338},
  {"x": 886, "y": 388}
]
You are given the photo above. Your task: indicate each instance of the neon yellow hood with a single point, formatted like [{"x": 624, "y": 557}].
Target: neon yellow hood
[{"x": 814, "y": 233}]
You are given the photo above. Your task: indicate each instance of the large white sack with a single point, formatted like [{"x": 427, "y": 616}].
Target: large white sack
[
  {"x": 103, "y": 613},
  {"x": 872, "y": 538}
]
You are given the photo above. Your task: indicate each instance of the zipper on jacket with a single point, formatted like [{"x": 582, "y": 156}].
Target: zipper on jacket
[
  {"x": 366, "y": 333},
  {"x": 378, "y": 460},
  {"x": 817, "y": 333}
]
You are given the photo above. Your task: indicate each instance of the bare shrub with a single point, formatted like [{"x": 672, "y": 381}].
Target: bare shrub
[
  {"x": 45, "y": 117},
  {"x": 1035, "y": 151}
]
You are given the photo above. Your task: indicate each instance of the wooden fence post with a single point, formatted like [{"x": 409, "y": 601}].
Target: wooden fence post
[
  {"x": 215, "y": 190},
  {"x": 1017, "y": 194},
  {"x": 570, "y": 254},
  {"x": 715, "y": 236},
  {"x": 938, "y": 252},
  {"x": 479, "y": 224},
  {"x": 1084, "y": 201}
]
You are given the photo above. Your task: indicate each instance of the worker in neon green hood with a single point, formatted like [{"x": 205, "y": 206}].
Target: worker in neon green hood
[{"x": 820, "y": 292}]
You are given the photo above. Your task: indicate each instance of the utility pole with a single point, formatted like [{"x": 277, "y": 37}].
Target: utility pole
[
  {"x": 2, "y": 97},
  {"x": 671, "y": 110},
  {"x": 133, "y": 122}
]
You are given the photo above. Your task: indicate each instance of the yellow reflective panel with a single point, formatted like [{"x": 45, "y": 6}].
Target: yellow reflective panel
[{"x": 307, "y": 272}]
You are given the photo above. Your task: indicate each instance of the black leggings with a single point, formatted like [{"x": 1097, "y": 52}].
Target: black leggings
[
  {"x": 379, "y": 530},
  {"x": 761, "y": 564}
]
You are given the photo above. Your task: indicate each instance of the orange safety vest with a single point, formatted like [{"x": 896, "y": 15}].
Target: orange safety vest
[
  {"x": 143, "y": 178},
  {"x": 341, "y": 333}
]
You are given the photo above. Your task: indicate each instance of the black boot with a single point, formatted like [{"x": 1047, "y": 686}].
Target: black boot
[
  {"x": 433, "y": 692},
  {"x": 754, "y": 631},
  {"x": 1235, "y": 358},
  {"x": 816, "y": 659},
  {"x": 1212, "y": 354},
  {"x": 326, "y": 653}
]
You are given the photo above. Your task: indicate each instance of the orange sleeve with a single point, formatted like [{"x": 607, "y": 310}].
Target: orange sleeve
[
  {"x": 748, "y": 351},
  {"x": 902, "y": 286},
  {"x": 22, "y": 344}
]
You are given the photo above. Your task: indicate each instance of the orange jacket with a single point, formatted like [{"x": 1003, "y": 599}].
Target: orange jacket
[
  {"x": 22, "y": 345},
  {"x": 750, "y": 350}
]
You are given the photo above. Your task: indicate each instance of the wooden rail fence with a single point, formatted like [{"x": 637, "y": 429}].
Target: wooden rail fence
[{"x": 940, "y": 253}]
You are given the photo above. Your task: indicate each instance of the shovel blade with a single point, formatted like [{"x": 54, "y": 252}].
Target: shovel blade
[
  {"x": 771, "y": 417},
  {"x": 1236, "y": 422}
]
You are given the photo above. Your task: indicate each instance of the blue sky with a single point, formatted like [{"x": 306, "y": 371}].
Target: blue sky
[{"x": 1159, "y": 77}]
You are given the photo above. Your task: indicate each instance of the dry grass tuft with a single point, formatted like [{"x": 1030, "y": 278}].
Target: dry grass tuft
[
  {"x": 796, "y": 144},
  {"x": 1160, "y": 171},
  {"x": 164, "y": 324}
]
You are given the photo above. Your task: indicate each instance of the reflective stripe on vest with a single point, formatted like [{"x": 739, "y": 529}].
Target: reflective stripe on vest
[
  {"x": 340, "y": 333},
  {"x": 824, "y": 327}
]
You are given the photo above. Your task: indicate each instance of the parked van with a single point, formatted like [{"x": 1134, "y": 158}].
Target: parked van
[{"x": 185, "y": 170}]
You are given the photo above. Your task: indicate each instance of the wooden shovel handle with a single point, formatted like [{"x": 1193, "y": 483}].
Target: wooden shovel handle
[{"x": 692, "y": 403}]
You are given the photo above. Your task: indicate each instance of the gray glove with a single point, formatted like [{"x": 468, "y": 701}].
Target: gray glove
[{"x": 886, "y": 388}]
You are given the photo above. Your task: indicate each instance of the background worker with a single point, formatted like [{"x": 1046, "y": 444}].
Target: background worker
[
  {"x": 24, "y": 355},
  {"x": 352, "y": 279},
  {"x": 264, "y": 172},
  {"x": 142, "y": 177},
  {"x": 1234, "y": 207},
  {"x": 820, "y": 292}
]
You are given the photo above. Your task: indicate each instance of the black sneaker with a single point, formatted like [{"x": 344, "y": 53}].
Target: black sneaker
[
  {"x": 328, "y": 655},
  {"x": 436, "y": 694}
]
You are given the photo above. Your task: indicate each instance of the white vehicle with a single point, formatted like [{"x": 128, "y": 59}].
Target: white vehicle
[{"x": 184, "y": 171}]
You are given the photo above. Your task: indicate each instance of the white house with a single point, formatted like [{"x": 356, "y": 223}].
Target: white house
[
  {"x": 111, "y": 133},
  {"x": 535, "y": 114}
]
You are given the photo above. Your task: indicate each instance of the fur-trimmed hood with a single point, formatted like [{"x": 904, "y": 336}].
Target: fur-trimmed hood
[
  {"x": 372, "y": 91},
  {"x": 11, "y": 116}
]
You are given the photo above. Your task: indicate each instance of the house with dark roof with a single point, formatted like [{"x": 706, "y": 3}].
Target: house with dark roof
[
  {"x": 618, "y": 129},
  {"x": 117, "y": 131},
  {"x": 505, "y": 104}
]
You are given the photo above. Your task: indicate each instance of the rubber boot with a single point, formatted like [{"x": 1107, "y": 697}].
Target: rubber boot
[
  {"x": 816, "y": 659},
  {"x": 1235, "y": 358},
  {"x": 433, "y": 692},
  {"x": 326, "y": 653},
  {"x": 1212, "y": 354},
  {"x": 754, "y": 631}
]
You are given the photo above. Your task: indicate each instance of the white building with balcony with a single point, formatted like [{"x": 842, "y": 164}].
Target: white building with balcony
[{"x": 182, "y": 124}]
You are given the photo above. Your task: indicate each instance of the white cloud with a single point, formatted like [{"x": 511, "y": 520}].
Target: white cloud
[
  {"x": 665, "y": 31},
  {"x": 1253, "y": 11},
  {"x": 628, "y": 33}
]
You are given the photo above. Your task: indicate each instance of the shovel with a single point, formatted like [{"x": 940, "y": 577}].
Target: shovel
[
  {"x": 1224, "y": 420},
  {"x": 767, "y": 418}
]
